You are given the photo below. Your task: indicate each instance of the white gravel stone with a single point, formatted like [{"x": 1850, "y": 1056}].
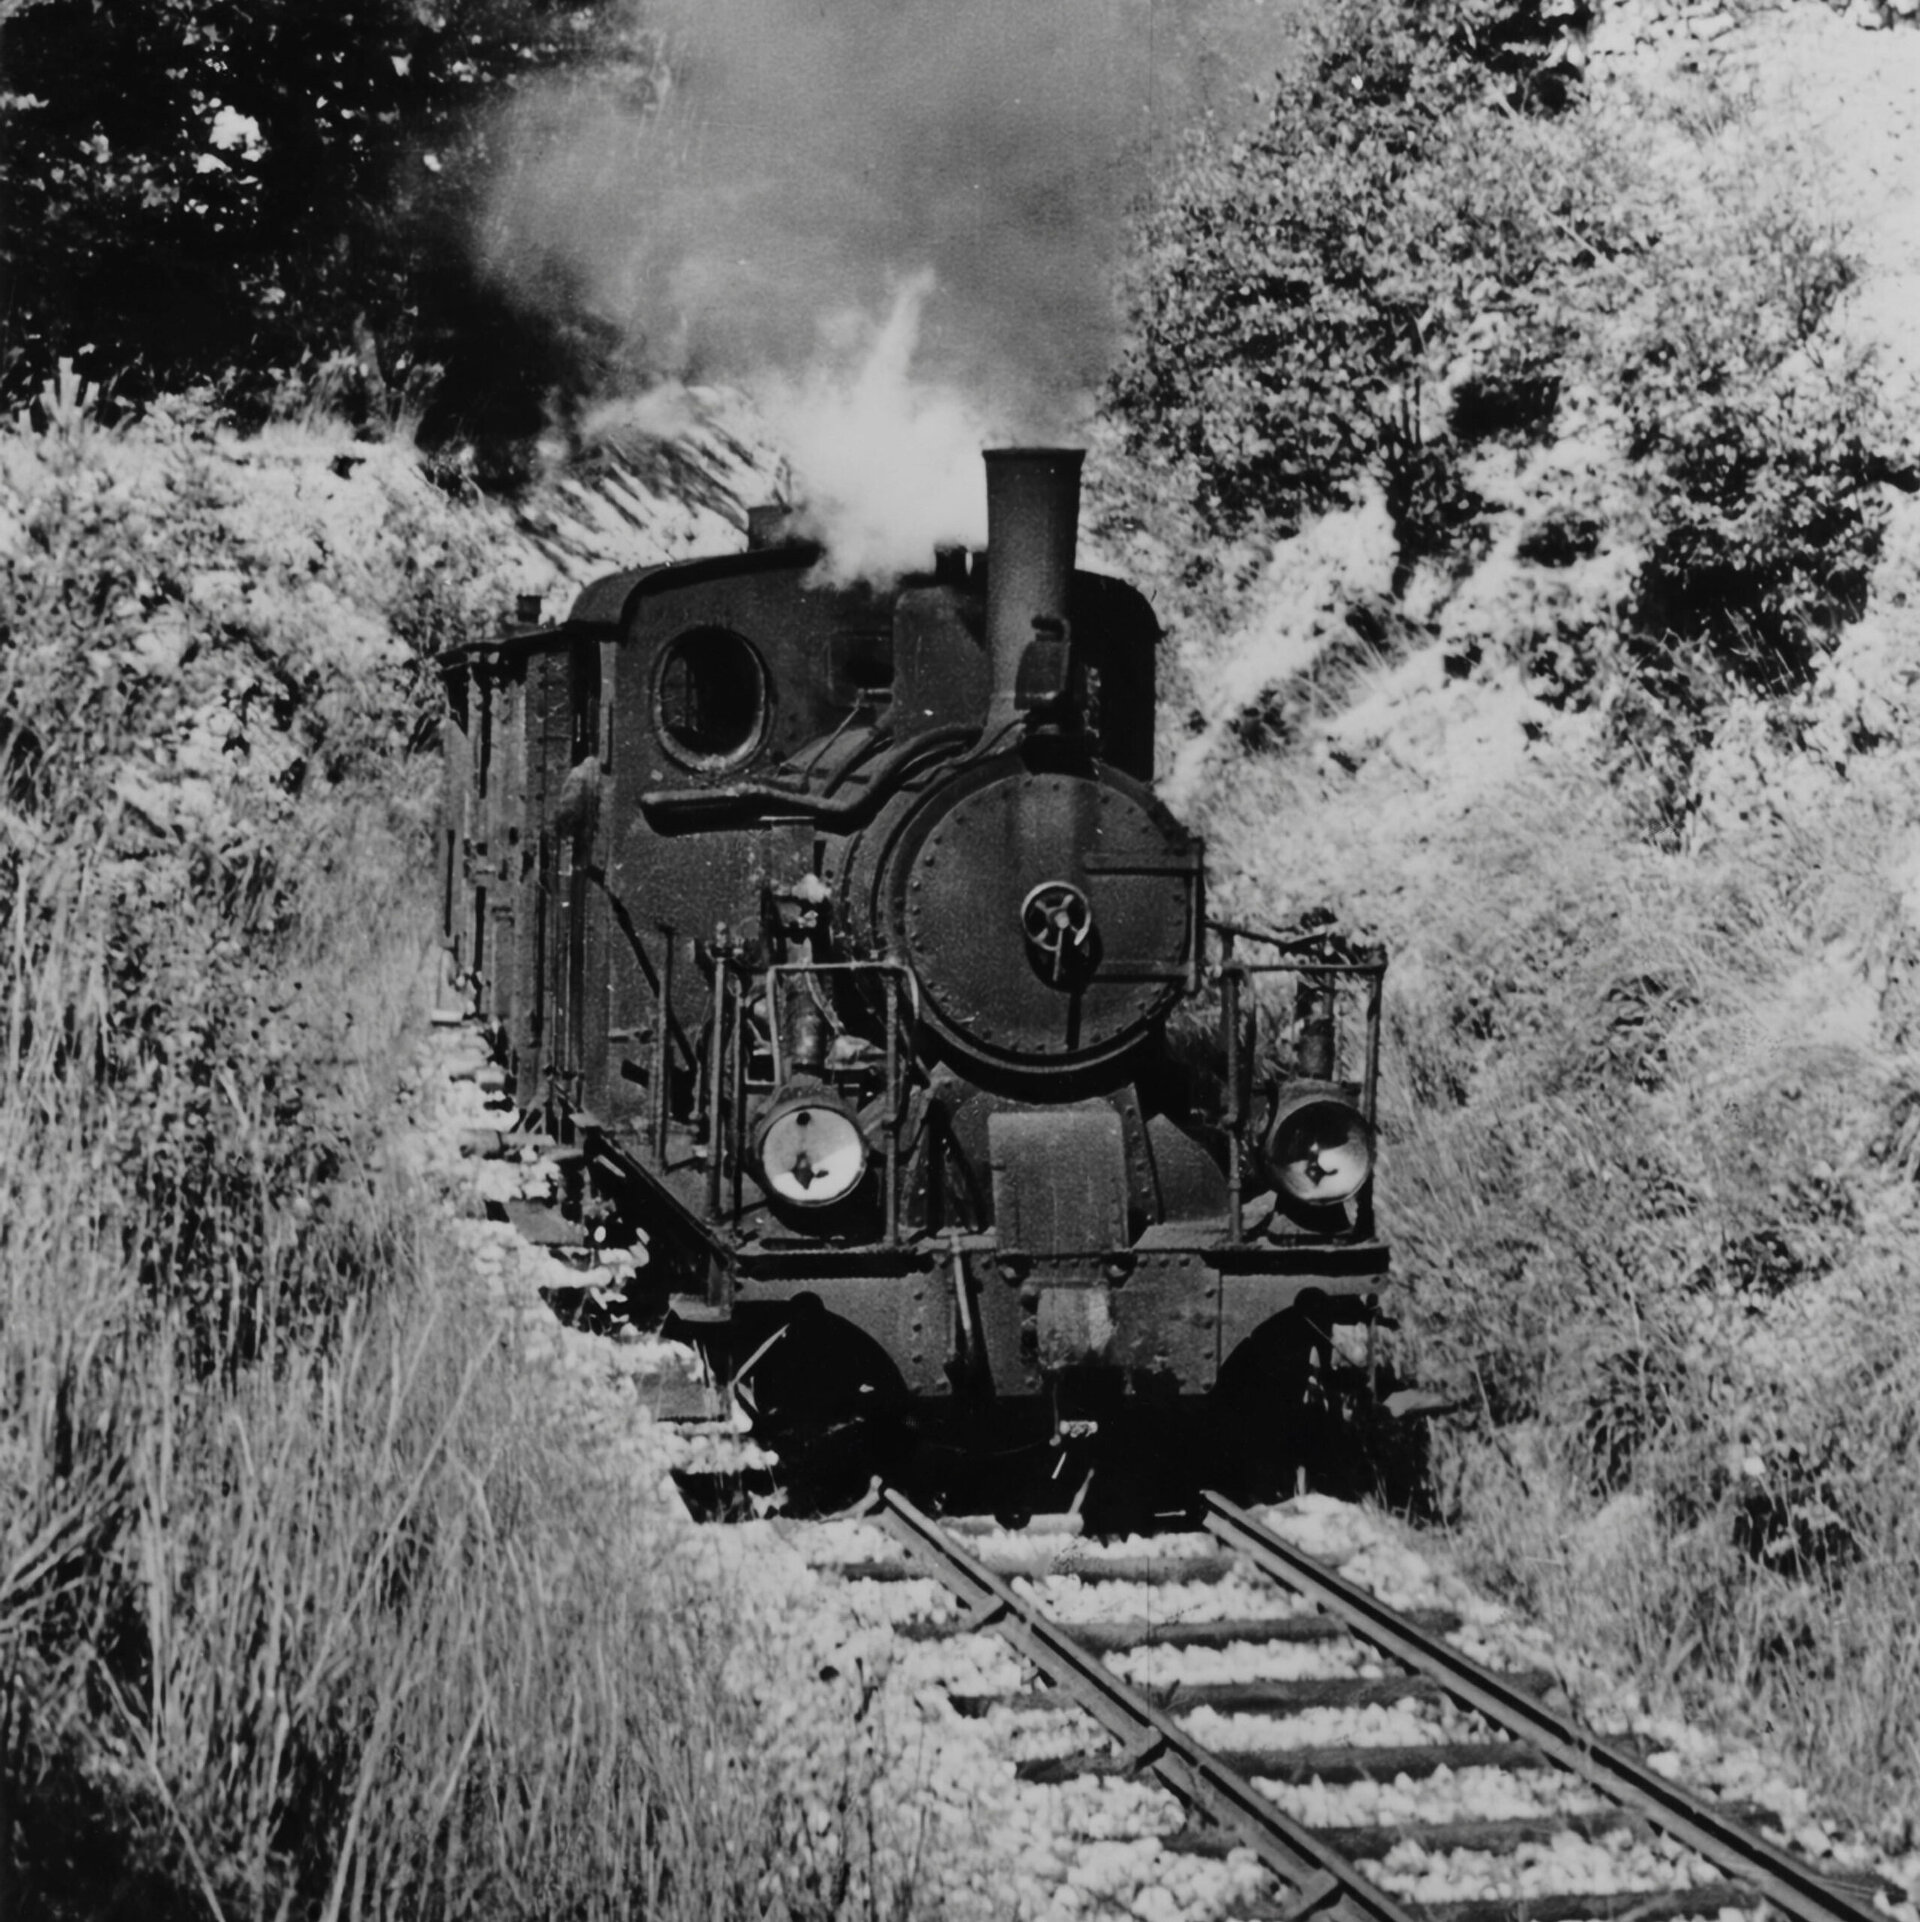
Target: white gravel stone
[
  {"x": 1107, "y": 1807},
  {"x": 1448, "y": 1795},
  {"x": 1373, "y": 1725},
  {"x": 1160, "y": 1667},
  {"x": 1567, "y": 1865},
  {"x": 1240, "y": 1596},
  {"x": 1043, "y": 1735}
]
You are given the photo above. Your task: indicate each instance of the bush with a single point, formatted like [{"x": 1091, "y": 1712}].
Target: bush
[
  {"x": 1311, "y": 302},
  {"x": 1277, "y": 346},
  {"x": 1643, "y": 1180},
  {"x": 1401, "y": 271},
  {"x": 189, "y": 680}
]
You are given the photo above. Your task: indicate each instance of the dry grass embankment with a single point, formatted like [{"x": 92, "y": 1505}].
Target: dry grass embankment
[
  {"x": 312, "y": 1599},
  {"x": 1652, "y": 1138}
]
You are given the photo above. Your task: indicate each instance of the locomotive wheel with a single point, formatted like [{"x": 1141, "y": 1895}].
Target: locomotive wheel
[
  {"x": 828, "y": 1402},
  {"x": 1276, "y": 1416}
]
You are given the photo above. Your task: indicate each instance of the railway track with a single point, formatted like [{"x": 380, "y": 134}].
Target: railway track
[
  {"x": 1115, "y": 1691},
  {"x": 1333, "y": 1756}
]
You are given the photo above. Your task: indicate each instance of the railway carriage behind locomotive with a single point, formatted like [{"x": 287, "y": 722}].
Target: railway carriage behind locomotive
[{"x": 840, "y": 933}]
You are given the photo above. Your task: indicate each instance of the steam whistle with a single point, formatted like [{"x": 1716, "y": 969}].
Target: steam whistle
[{"x": 1313, "y": 1010}]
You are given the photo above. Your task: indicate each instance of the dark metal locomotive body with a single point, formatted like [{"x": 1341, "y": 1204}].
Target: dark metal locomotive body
[{"x": 841, "y": 931}]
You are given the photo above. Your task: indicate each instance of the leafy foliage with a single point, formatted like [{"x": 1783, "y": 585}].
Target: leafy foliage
[
  {"x": 192, "y": 667},
  {"x": 197, "y": 188},
  {"x": 1277, "y": 340},
  {"x": 1750, "y": 422},
  {"x": 1412, "y": 262},
  {"x": 1529, "y": 47},
  {"x": 1302, "y": 296}
]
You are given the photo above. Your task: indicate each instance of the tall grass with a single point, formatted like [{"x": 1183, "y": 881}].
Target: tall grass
[
  {"x": 1649, "y": 1174},
  {"x": 362, "y": 1624},
  {"x": 315, "y": 1596}
]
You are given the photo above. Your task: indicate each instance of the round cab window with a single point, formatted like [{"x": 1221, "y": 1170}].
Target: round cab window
[{"x": 710, "y": 698}]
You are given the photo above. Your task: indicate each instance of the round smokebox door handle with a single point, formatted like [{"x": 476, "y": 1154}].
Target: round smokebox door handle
[{"x": 1056, "y": 918}]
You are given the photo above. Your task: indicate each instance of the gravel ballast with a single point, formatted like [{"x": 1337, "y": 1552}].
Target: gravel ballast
[{"x": 945, "y": 1788}]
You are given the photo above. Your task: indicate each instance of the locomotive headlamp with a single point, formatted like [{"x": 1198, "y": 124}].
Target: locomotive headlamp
[
  {"x": 1319, "y": 1149},
  {"x": 810, "y": 1148}
]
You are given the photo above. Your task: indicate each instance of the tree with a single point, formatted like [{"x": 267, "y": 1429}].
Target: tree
[
  {"x": 209, "y": 189},
  {"x": 1301, "y": 296},
  {"x": 1423, "y": 250}
]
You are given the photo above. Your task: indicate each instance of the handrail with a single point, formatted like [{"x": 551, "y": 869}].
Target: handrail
[
  {"x": 663, "y": 1046},
  {"x": 778, "y": 968},
  {"x": 899, "y": 1057},
  {"x": 716, "y": 1069},
  {"x": 1360, "y": 960},
  {"x": 1235, "y": 975}
]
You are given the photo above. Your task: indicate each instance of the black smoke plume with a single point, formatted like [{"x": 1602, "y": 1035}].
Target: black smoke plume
[{"x": 897, "y": 222}]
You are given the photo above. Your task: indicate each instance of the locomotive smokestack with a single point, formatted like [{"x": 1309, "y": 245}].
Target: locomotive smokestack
[
  {"x": 768, "y": 526},
  {"x": 1033, "y": 522}
]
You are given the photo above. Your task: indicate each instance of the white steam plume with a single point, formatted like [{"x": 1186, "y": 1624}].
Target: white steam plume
[{"x": 885, "y": 465}]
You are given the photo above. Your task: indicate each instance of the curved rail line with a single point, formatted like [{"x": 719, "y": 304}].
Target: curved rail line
[
  {"x": 1317, "y": 1868},
  {"x": 1791, "y": 1885},
  {"x": 1322, "y": 1882}
]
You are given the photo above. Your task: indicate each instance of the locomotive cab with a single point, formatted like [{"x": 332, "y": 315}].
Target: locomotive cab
[{"x": 843, "y": 932}]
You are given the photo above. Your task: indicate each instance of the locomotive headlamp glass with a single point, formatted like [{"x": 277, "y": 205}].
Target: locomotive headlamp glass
[
  {"x": 811, "y": 1151},
  {"x": 1319, "y": 1150}
]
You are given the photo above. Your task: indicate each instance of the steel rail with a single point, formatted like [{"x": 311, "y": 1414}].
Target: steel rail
[
  {"x": 1323, "y": 1883},
  {"x": 1793, "y": 1886}
]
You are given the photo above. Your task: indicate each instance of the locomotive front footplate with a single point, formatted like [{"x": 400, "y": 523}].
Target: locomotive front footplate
[{"x": 960, "y": 1318}]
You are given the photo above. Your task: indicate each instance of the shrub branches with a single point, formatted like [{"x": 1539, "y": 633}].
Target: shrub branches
[
  {"x": 1402, "y": 267},
  {"x": 184, "y": 687}
]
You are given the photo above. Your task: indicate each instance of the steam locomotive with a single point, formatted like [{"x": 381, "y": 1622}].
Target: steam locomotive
[{"x": 838, "y": 932}]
